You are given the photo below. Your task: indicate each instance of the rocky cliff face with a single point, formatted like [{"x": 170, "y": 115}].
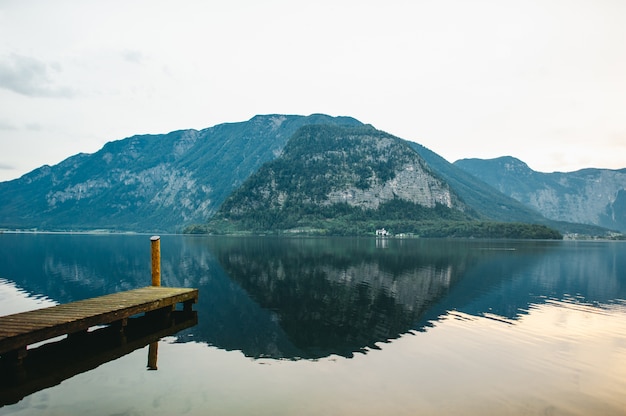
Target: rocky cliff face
[
  {"x": 364, "y": 168},
  {"x": 588, "y": 196},
  {"x": 411, "y": 183}
]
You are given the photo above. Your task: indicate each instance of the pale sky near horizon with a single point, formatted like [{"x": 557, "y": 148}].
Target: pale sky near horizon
[{"x": 541, "y": 80}]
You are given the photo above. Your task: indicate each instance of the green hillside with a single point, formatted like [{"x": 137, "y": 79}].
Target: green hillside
[{"x": 353, "y": 181}]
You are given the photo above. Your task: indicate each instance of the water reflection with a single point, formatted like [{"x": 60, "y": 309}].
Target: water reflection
[
  {"x": 312, "y": 298},
  {"x": 335, "y": 297},
  {"x": 153, "y": 356},
  {"x": 510, "y": 327},
  {"x": 51, "y": 363}
]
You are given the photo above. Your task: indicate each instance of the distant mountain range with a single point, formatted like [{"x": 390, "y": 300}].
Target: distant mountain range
[
  {"x": 271, "y": 171},
  {"x": 587, "y": 196}
]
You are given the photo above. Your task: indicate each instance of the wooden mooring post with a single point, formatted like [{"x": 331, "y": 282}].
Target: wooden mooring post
[{"x": 155, "y": 243}]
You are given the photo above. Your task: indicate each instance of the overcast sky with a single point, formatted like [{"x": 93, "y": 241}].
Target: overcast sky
[{"x": 541, "y": 80}]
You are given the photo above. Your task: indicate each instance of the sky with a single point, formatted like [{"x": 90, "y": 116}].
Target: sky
[{"x": 540, "y": 80}]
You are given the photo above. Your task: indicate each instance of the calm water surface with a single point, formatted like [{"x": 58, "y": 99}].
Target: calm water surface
[{"x": 343, "y": 326}]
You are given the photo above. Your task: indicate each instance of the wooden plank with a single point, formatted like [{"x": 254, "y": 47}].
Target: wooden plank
[{"x": 22, "y": 329}]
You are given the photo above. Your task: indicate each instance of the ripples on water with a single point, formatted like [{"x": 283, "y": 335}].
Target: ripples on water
[
  {"x": 14, "y": 299},
  {"x": 561, "y": 358}
]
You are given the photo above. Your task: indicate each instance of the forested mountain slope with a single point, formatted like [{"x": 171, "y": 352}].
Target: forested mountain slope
[{"x": 349, "y": 180}]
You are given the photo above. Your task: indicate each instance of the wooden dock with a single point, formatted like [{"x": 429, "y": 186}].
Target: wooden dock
[{"x": 20, "y": 330}]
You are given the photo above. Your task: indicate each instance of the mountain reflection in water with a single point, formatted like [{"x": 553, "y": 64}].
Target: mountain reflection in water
[
  {"x": 334, "y": 297},
  {"x": 293, "y": 298}
]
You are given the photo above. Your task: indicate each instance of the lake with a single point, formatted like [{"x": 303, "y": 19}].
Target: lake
[{"x": 343, "y": 326}]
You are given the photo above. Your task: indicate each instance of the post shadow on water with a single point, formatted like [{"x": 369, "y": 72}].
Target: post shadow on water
[
  {"x": 51, "y": 363},
  {"x": 308, "y": 298}
]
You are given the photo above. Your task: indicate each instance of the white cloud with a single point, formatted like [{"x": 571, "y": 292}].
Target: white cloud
[
  {"x": 6, "y": 166},
  {"x": 32, "y": 77},
  {"x": 7, "y": 126},
  {"x": 133, "y": 56}
]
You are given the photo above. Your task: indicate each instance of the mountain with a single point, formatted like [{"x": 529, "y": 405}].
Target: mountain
[
  {"x": 351, "y": 180},
  {"x": 171, "y": 182},
  {"x": 587, "y": 196},
  {"x": 149, "y": 183}
]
